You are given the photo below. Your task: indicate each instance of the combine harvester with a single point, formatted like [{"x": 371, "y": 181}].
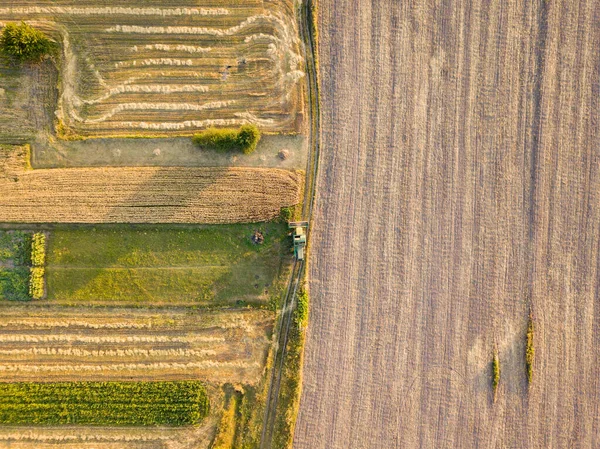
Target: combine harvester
[{"x": 299, "y": 236}]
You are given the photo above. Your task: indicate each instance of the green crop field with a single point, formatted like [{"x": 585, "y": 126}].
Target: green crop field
[
  {"x": 209, "y": 265},
  {"x": 103, "y": 403},
  {"x": 14, "y": 256}
]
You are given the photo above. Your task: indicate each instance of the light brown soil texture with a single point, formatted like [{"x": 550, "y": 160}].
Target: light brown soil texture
[{"x": 459, "y": 187}]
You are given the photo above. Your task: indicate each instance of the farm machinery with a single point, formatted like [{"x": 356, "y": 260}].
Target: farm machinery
[{"x": 299, "y": 237}]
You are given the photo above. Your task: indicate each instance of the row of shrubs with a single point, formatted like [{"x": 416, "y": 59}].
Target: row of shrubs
[
  {"x": 37, "y": 271},
  {"x": 243, "y": 139}
]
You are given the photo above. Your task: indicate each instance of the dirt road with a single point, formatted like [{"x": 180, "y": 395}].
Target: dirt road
[{"x": 459, "y": 187}]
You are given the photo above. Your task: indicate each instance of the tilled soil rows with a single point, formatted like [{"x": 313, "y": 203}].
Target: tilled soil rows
[{"x": 458, "y": 190}]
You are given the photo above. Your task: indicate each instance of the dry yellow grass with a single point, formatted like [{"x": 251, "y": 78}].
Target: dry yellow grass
[
  {"x": 133, "y": 344},
  {"x": 245, "y": 57},
  {"x": 142, "y": 194}
]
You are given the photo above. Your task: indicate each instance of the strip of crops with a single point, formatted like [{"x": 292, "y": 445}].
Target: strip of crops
[
  {"x": 103, "y": 403},
  {"x": 143, "y": 194}
]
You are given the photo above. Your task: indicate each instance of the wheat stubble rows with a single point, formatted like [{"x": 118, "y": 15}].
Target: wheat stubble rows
[{"x": 459, "y": 186}]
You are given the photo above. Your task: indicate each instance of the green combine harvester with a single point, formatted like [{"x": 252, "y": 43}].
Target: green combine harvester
[{"x": 299, "y": 236}]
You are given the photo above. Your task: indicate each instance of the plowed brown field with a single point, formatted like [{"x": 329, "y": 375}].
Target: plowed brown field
[{"x": 459, "y": 187}]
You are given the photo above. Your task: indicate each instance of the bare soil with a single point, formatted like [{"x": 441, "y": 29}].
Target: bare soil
[
  {"x": 47, "y": 152},
  {"x": 458, "y": 188}
]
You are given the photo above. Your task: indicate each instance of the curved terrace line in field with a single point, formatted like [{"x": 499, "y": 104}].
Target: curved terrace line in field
[
  {"x": 148, "y": 88},
  {"x": 110, "y": 10},
  {"x": 73, "y": 338},
  {"x": 157, "y": 107},
  {"x": 130, "y": 352},
  {"x": 171, "y": 48},
  {"x": 137, "y": 29},
  {"x": 244, "y": 118},
  {"x": 207, "y": 364}
]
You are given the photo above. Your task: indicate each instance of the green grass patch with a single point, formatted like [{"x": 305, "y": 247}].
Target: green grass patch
[
  {"x": 495, "y": 373},
  {"x": 291, "y": 381},
  {"x": 226, "y": 428},
  {"x": 103, "y": 403},
  {"x": 529, "y": 350},
  {"x": 133, "y": 284},
  {"x": 212, "y": 264}
]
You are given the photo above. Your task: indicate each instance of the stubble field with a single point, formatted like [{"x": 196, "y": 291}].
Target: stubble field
[
  {"x": 148, "y": 68},
  {"x": 458, "y": 190}
]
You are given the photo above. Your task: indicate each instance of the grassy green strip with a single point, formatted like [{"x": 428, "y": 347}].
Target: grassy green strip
[
  {"x": 529, "y": 350},
  {"x": 495, "y": 373},
  {"x": 103, "y": 403},
  {"x": 226, "y": 429},
  {"x": 291, "y": 382}
]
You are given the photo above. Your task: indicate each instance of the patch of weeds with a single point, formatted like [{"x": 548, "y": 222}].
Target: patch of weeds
[
  {"x": 14, "y": 284},
  {"x": 529, "y": 350},
  {"x": 495, "y": 374}
]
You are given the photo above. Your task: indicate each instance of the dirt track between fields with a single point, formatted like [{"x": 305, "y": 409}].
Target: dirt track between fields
[{"x": 459, "y": 186}]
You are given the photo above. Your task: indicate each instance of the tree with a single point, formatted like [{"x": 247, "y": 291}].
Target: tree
[
  {"x": 226, "y": 139},
  {"x": 248, "y": 137},
  {"x": 24, "y": 43}
]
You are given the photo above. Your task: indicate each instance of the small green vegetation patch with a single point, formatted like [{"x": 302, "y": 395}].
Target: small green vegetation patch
[
  {"x": 244, "y": 139},
  {"x": 495, "y": 374},
  {"x": 23, "y": 42},
  {"x": 103, "y": 403},
  {"x": 529, "y": 350},
  {"x": 15, "y": 255},
  {"x": 14, "y": 284},
  {"x": 161, "y": 265},
  {"x": 15, "y": 247}
]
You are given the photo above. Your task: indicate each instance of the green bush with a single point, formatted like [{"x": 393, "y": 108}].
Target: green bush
[
  {"x": 38, "y": 249},
  {"x": 247, "y": 138},
  {"x": 495, "y": 373},
  {"x": 103, "y": 403},
  {"x": 529, "y": 350},
  {"x": 244, "y": 139},
  {"x": 36, "y": 282},
  {"x": 286, "y": 214},
  {"x": 302, "y": 309},
  {"x": 24, "y": 43}
]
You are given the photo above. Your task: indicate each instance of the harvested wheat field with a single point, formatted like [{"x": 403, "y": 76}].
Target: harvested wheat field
[
  {"x": 458, "y": 189},
  {"x": 132, "y": 344},
  {"x": 142, "y": 194},
  {"x": 147, "y": 67}
]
